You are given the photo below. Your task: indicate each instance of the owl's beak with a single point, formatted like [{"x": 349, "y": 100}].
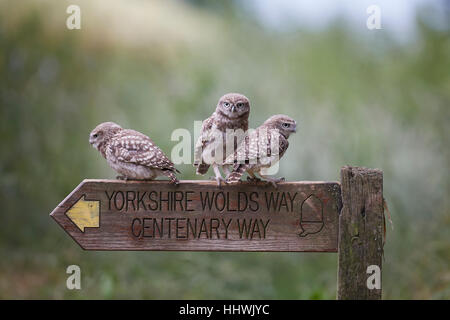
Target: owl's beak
[{"x": 233, "y": 108}]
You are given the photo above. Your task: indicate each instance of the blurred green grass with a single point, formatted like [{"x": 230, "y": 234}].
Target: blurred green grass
[{"x": 361, "y": 98}]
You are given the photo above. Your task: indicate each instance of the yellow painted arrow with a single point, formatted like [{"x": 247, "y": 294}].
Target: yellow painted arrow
[{"x": 85, "y": 213}]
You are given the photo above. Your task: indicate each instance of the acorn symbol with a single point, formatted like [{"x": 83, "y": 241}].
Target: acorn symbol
[{"x": 311, "y": 216}]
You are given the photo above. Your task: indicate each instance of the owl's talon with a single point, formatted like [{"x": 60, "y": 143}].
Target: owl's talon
[
  {"x": 219, "y": 181},
  {"x": 255, "y": 179},
  {"x": 274, "y": 181}
]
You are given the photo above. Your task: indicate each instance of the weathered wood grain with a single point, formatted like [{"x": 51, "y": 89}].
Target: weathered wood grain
[
  {"x": 360, "y": 231},
  {"x": 304, "y": 219}
]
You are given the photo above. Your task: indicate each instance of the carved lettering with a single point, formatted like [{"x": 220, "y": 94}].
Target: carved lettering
[{"x": 191, "y": 229}]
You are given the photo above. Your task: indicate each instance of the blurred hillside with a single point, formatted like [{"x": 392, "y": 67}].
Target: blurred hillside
[{"x": 361, "y": 99}]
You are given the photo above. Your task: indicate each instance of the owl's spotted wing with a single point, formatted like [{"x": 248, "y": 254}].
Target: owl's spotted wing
[
  {"x": 205, "y": 135},
  {"x": 203, "y": 140},
  {"x": 246, "y": 151},
  {"x": 258, "y": 147},
  {"x": 283, "y": 145},
  {"x": 134, "y": 147}
]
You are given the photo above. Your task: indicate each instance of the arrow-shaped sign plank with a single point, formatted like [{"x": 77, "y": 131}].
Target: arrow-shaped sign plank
[
  {"x": 85, "y": 213},
  {"x": 201, "y": 216}
]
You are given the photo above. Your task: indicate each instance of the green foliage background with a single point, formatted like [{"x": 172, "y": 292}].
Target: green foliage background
[{"x": 361, "y": 98}]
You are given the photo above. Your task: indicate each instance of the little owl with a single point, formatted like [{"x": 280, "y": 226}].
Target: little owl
[
  {"x": 221, "y": 133},
  {"x": 130, "y": 153},
  {"x": 262, "y": 148}
]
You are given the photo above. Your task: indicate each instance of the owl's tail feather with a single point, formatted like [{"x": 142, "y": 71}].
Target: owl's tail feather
[
  {"x": 172, "y": 176},
  {"x": 236, "y": 175},
  {"x": 202, "y": 168}
]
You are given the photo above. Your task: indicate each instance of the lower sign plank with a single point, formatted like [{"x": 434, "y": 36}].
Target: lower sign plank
[{"x": 200, "y": 216}]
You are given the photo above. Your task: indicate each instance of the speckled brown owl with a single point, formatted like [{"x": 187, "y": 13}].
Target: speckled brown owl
[
  {"x": 262, "y": 148},
  {"x": 229, "y": 120},
  {"x": 130, "y": 153}
]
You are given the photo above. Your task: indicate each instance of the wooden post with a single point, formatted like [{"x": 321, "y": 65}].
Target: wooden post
[{"x": 360, "y": 245}]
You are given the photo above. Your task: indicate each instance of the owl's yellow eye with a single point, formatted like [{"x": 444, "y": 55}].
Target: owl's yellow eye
[
  {"x": 240, "y": 105},
  {"x": 286, "y": 125},
  {"x": 226, "y": 104},
  {"x": 95, "y": 136}
]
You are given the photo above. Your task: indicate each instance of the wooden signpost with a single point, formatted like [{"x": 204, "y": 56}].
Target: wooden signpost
[{"x": 200, "y": 216}]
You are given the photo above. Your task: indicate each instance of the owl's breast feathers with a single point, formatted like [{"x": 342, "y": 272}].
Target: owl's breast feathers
[
  {"x": 216, "y": 122},
  {"x": 130, "y": 146}
]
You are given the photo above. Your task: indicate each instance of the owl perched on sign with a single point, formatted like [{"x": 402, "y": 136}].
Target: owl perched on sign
[
  {"x": 262, "y": 148},
  {"x": 229, "y": 120},
  {"x": 130, "y": 153}
]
